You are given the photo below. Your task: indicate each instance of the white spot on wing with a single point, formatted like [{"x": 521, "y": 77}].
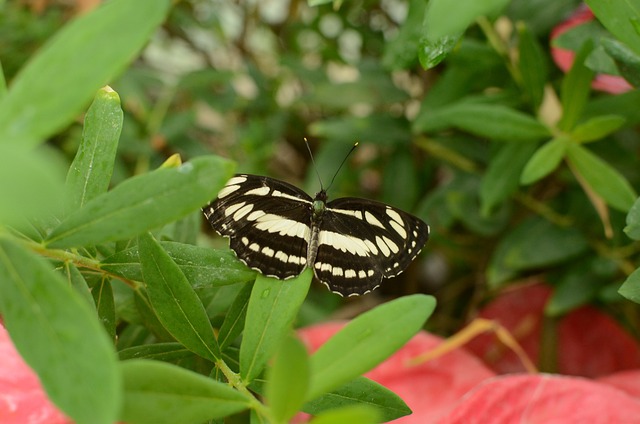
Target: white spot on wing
[
  {"x": 227, "y": 190},
  {"x": 233, "y": 208},
  {"x": 383, "y": 246},
  {"x": 337, "y": 271},
  {"x": 394, "y": 215},
  {"x": 348, "y": 212},
  {"x": 254, "y": 247},
  {"x": 362, "y": 274},
  {"x": 238, "y": 179},
  {"x": 399, "y": 229},
  {"x": 371, "y": 219},
  {"x": 268, "y": 251},
  {"x": 394, "y": 247},
  {"x": 344, "y": 243},
  {"x": 283, "y": 226},
  {"x": 260, "y": 191},
  {"x": 242, "y": 212},
  {"x": 350, "y": 273}
]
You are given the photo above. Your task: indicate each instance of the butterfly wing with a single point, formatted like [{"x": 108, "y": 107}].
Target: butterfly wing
[
  {"x": 267, "y": 223},
  {"x": 362, "y": 241}
]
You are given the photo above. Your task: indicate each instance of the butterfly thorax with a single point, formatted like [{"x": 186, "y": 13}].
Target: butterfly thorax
[
  {"x": 318, "y": 209},
  {"x": 319, "y": 205}
]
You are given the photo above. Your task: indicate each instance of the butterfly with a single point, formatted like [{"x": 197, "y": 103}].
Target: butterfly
[{"x": 351, "y": 244}]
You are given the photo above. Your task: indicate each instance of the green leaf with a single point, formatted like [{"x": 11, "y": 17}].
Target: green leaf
[
  {"x": 159, "y": 393},
  {"x": 495, "y": 122},
  {"x": 143, "y": 202},
  {"x": 287, "y": 379},
  {"x": 441, "y": 21},
  {"x": 631, "y": 287},
  {"x": 602, "y": 178},
  {"x": 402, "y": 50},
  {"x": 235, "y": 318},
  {"x": 174, "y": 301},
  {"x": 360, "y": 414},
  {"x": 272, "y": 308},
  {"x": 203, "y": 267},
  {"x": 533, "y": 244},
  {"x": 500, "y": 180},
  {"x": 35, "y": 107},
  {"x": 57, "y": 334},
  {"x": 597, "y": 128},
  {"x": 577, "y": 286},
  {"x": 632, "y": 228},
  {"x": 575, "y": 89},
  {"x": 36, "y": 183},
  {"x": 105, "y": 304},
  {"x": 621, "y": 18},
  {"x": 533, "y": 66},
  {"x": 545, "y": 160},
  {"x": 361, "y": 391},
  {"x": 91, "y": 169},
  {"x": 159, "y": 351},
  {"x": 626, "y": 60},
  {"x": 366, "y": 341},
  {"x": 79, "y": 284}
]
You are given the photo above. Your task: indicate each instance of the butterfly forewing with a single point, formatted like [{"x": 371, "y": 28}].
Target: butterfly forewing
[
  {"x": 362, "y": 241},
  {"x": 267, "y": 222}
]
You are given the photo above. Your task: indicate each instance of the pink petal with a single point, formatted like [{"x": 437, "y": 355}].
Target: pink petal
[
  {"x": 22, "y": 399},
  {"x": 545, "y": 399},
  {"x": 429, "y": 389},
  {"x": 627, "y": 381},
  {"x": 589, "y": 342}
]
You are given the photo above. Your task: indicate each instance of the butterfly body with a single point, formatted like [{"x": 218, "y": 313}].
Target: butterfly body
[{"x": 351, "y": 244}]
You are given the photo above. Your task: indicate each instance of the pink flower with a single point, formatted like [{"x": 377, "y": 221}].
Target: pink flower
[{"x": 22, "y": 399}]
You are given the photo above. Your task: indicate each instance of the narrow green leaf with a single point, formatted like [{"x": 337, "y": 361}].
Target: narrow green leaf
[
  {"x": 91, "y": 169},
  {"x": 631, "y": 287},
  {"x": 602, "y": 178},
  {"x": 500, "y": 180},
  {"x": 533, "y": 244},
  {"x": 533, "y": 66},
  {"x": 174, "y": 301},
  {"x": 234, "y": 320},
  {"x": 144, "y": 202},
  {"x": 361, "y": 391},
  {"x": 79, "y": 284},
  {"x": 632, "y": 228},
  {"x": 35, "y": 107},
  {"x": 148, "y": 317},
  {"x": 159, "y": 393},
  {"x": 272, "y": 308},
  {"x": 621, "y": 18},
  {"x": 440, "y": 21},
  {"x": 57, "y": 334},
  {"x": 366, "y": 341},
  {"x": 360, "y": 414},
  {"x": 105, "y": 304},
  {"x": 165, "y": 352},
  {"x": 575, "y": 89},
  {"x": 36, "y": 184},
  {"x": 544, "y": 161},
  {"x": 495, "y": 122},
  {"x": 202, "y": 266},
  {"x": 287, "y": 379},
  {"x": 627, "y": 61},
  {"x": 597, "y": 128}
]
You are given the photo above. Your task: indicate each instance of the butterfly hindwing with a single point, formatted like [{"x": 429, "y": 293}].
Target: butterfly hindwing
[
  {"x": 362, "y": 241},
  {"x": 267, "y": 222}
]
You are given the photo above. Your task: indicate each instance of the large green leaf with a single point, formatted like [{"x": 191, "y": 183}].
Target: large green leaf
[
  {"x": 202, "y": 266},
  {"x": 575, "y": 89},
  {"x": 175, "y": 303},
  {"x": 56, "y": 84},
  {"x": 621, "y": 18},
  {"x": 361, "y": 391},
  {"x": 272, "y": 308},
  {"x": 631, "y": 287},
  {"x": 602, "y": 178},
  {"x": 58, "y": 335},
  {"x": 144, "y": 202},
  {"x": 495, "y": 122},
  {"x": 366, "y": 341},
  {"x": 443, "y": 18},
  {"x": 91, "y": 169},
  {"x": 632, "y": 228},
  {"x": 545, "y": 160},
  {"x": 287, "y": 379},
  {"x": 159, "y": 393}
]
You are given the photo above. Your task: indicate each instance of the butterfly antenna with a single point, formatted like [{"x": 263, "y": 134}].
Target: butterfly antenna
[
  {"x": 314, "y": 162},
  {"x": 340, "y": 167}
]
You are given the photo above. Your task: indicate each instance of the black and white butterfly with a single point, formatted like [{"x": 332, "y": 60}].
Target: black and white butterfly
[{"x": 277, "y": 229}]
